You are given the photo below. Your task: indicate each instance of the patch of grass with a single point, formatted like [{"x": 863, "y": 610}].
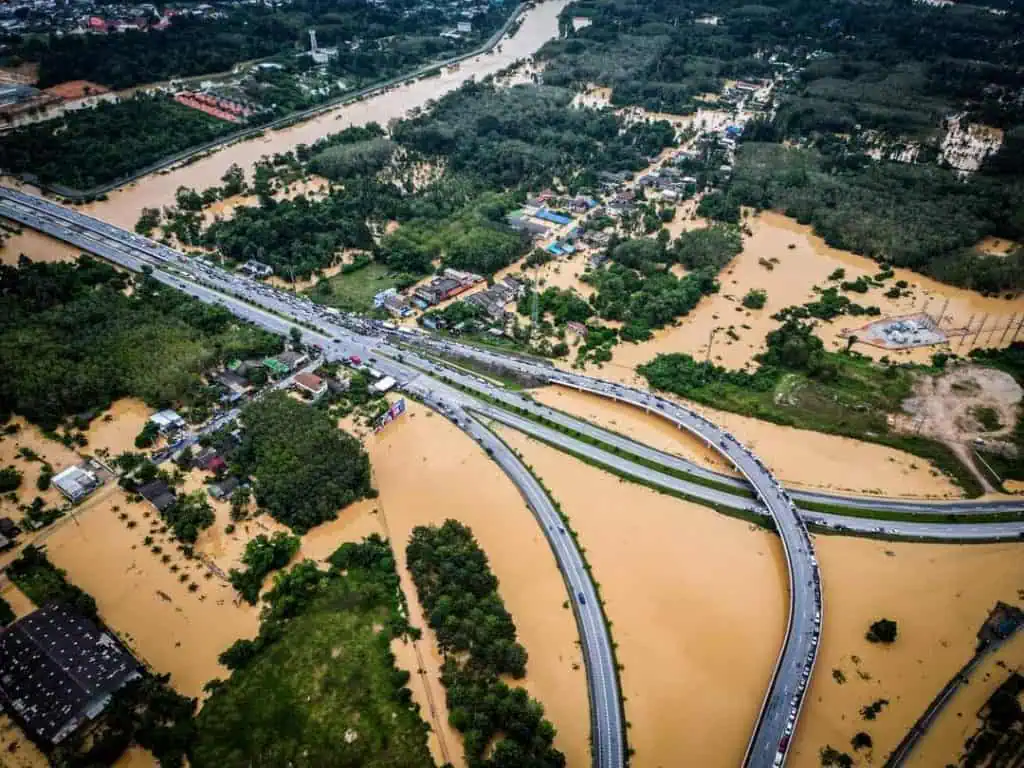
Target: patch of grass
[
  {"x": 987, "y": 417},
  {"x": 854, "y": 403},
  {"x": 321, "y": 686},
  {"x": 354, "y": 292}
]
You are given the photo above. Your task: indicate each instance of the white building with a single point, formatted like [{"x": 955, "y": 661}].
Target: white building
[
  {"x": 76, "y": 483},
  {"x": 167, "y": 421}
]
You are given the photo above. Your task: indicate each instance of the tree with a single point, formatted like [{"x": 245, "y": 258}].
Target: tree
[
  {"x": 296, "y": 336},
  {"x": 240, "y": 499},
  {"x": 755, "y": 299},
  {"x": 10, "y": 479},
  {"x": 861, "y": 740},
  {"x": 882, "y": 631}
]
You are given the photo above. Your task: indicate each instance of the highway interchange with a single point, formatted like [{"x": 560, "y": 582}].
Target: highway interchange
[{"x": 392, "y": 353}]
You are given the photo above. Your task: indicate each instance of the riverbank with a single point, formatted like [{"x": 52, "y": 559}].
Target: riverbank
[{"x": 539, "y": 24}]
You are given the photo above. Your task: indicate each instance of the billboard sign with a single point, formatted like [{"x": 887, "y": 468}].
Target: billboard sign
[{"x": 397, "y": 409}]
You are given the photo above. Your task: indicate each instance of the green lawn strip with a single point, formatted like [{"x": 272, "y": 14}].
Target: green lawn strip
[
  {"x": 354, "y": 291},
  {"x": 319, "y": 685}
]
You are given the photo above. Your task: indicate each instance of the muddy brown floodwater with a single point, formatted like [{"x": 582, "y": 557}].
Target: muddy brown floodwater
[
  {"x": 539, "y": 24},
  {"x": 36, "y": 246},
  {"x": 799, "y": 261},
  {"x": 798, "y": 457},
  {"x": 428, "y": 471},
  {"x": 938, "y": 595},
  {"x": 697, "y": 602}
]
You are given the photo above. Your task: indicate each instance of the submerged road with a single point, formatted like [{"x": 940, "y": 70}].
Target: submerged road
[{"x": 340, "y": 336}]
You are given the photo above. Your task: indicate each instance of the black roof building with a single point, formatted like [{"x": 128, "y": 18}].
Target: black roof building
[{"x": 58, "y": 671}]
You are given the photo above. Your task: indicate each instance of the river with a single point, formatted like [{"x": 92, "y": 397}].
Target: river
[{"x": 539, "y": 24}]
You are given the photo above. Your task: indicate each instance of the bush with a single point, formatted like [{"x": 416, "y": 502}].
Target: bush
[
  {"x": 755, "y": 299},
  {"x": 882, "y": 631},
  {"x": 10, "y": 479}
]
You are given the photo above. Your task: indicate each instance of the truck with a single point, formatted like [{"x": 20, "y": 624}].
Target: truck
[{"x": 355, "y": 360}]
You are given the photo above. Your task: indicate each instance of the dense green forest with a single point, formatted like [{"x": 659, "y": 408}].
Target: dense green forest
[
  {"x": 72, "y": 341},
  {"x": 196, "y": 46},
  {"x": 893, "y": 70},
  {"x": 306, "y": 469},
  {"x": 527, "y": 136},
  {"x": 478, "y": 637},
  {"x": 319, "y": 685},
  {"x": 87, "y": 147}
]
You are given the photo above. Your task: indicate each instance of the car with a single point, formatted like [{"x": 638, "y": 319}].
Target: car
[{"x": 582, "y": 598}]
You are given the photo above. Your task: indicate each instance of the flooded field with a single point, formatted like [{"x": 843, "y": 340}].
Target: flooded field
[
  {"x": 958, "y": 721},
  {"x": 697, "y": 601},
  {"x": 939, "y": 595},
  {"x": 798, "y": 261},
  {"x": 797, "y": 457},
  {"x": 152, "y": 604},
  {"x": 16, "y": 751},
  {"x": 28, "y": 437},
  {"x": 114, "y": 431},
  {"x": 539, "y": 25},
  {"x": 36, "y": 246}
]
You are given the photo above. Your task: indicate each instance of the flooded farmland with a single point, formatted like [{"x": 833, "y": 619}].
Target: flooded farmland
[
  {"x": 36, "y": 246},
  {"x": 786, "y": 260},
  {"x": 698, "y": 600}
]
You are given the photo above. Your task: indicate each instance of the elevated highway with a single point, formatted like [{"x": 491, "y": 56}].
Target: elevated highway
[{"x": 340, "y": 336}]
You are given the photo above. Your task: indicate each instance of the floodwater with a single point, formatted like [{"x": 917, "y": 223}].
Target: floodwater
[
  {"x": 539, "y": 25},
  {"x": 799, "y": 261},
  {"x": 36, "y": 246},
  {"x": 958, "y": 722},
  {"x": 16, "y": 751},
  {"x": 168, "y": 626},
  {"x": 797, "y": 457},
  {"x": 939, "y": 595},
  {"x": 428, "y": 471},
  {"x": 697, "y": 601},
  {"x": 58, "y": 456},
  {"x": 114, "y": 431},
  {"x": 692, "y": 693}
]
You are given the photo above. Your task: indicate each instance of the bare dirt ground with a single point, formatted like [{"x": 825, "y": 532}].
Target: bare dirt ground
[{"x": 968, "y": 404}]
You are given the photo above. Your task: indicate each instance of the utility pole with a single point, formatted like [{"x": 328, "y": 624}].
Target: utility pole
[
  {"x": 1019, "y": 326},
  {"x": 942, "y": 314},
  {"x": 966, "y": 333},
  {"x": 980, "y": 328},
  {"x": 1006, "y": 330}
]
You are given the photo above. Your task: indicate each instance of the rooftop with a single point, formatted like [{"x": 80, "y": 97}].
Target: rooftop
[{"x": 59, "y": 670}]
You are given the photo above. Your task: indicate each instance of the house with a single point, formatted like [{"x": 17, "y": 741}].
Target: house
[
  {"x": 578, "y": 328},
  {"x": 381, "y": 296},
  {"x": 310, "y": 384},
  {"x": 233, "y": 382},
  {"x": 224, "y": 488},
  {"x": 516, "y": 287},
  {"x": 157, "y": 493},
  {"x": 597, "y": 259},
  {"x": 60, "y": 671},
  {"x": 276, "y": 367},
  {"x": 291, "y": 359},
  {"x": 209, "y": 461},
  {"x": 383, "y": 385},
  {"x": 397, "y": 305},
  {"x": 76, "y": 483},
  {"x": 167, "y": 421},
  {"x": 522, "y": 224}
]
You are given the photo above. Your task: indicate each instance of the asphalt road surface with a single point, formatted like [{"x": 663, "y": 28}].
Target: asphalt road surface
[{"x": 341, "y": 336}]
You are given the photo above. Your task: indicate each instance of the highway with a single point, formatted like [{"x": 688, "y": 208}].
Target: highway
[
  {"x": 133, "y": 252},
  {"x": 340, "y": 336},
  {"x": 602, "y": 677}
]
